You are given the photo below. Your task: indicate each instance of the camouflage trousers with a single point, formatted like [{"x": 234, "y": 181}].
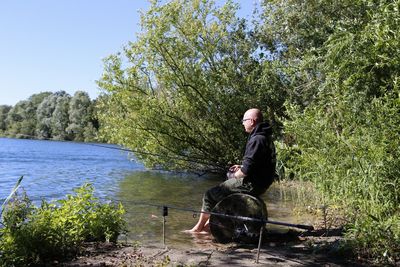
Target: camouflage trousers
[{"x": 219, "y": 192}]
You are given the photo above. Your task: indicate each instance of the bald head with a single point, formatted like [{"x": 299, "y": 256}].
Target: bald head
[
  {"x": 251, "y": 118},
  {"x": 255, "y": 114}
]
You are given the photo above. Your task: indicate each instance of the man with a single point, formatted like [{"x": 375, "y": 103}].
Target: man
[{"x": 253, "y": 177}]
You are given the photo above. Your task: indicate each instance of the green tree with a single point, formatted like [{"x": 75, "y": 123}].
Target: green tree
[
  {"x": 21, "y": 119},
  {"x": 4, "y": 109},
  {"x": 47, "y": 115},
  {"x": 16, "y": 120},
  {"x": 28, "y": 128},
  {"x": 340, "y": 62},
  {"x": 44, "y": 114},
  {"x": 80, "y": 117},
  {"x": 191, "y": 74},
  {"x": 59, "y": 118},
  {"x": 295, "y": 31}
]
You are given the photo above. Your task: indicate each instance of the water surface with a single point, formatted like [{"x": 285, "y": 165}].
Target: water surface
[
  {"x": 53, "y": 169},
  {"x": 144, "y": 194}
]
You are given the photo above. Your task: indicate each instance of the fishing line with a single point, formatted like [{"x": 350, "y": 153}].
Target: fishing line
[
  {"x": 194, "y": 211},
  {"x": 237, "y": 217}
]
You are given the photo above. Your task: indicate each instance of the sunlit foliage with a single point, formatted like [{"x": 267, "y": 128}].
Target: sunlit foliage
[
  {"x": 36, "y": 236},
  {"x": 177, "y": 94},
  {"x": 341, "y": 60},
  {"x": 55, "y": 116},
  {"x": 80, "y": 113}
]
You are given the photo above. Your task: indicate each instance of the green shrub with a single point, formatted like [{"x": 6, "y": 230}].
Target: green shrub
[
  {"x": 56, "y": 230},
  {"x": 351, "y": 154}
]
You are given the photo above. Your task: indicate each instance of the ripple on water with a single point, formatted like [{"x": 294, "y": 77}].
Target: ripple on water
[{"x": 53, "y": 169}]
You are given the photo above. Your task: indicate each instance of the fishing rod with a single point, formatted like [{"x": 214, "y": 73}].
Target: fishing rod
[{"x": 236, "y": 217}]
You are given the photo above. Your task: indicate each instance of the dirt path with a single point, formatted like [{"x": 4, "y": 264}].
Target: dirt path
[{"x": 289, "y": 249}]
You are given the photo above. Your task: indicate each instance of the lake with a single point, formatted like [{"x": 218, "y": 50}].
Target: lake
[{"x": 52, "y": 169}]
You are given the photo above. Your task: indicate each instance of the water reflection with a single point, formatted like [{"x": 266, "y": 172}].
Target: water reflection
[{"x": 144, "y": 193}]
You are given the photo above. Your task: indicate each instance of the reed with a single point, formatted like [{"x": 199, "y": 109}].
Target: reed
[
  {"x": 352, "y": 160},
  {"x": 10, "y": 196}
]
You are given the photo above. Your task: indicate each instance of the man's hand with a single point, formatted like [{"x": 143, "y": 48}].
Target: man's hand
[{"x": 234, "y": 168}]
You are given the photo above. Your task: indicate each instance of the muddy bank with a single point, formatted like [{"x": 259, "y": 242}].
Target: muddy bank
[{"x": 312, "y": 248}]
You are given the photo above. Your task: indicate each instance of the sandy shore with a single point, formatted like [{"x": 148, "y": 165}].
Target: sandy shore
[{"x": 314, "y": 248}]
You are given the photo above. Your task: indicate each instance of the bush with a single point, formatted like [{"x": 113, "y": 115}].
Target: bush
[
  {"x": 352, "y": 157},
  {"x": 56, "y": 230}
]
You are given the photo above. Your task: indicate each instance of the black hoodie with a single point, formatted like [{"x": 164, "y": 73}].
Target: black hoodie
[{"x": 259, "y": 160}]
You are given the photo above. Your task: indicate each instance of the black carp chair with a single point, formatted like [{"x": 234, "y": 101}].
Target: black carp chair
[{"x": 238, "y": 218}]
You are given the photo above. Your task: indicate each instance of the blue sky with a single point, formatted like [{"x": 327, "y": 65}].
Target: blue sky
[{"x": 52, "y": 45}]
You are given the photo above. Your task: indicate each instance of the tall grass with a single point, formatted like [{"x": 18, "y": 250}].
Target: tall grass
[{"x": 352, "y": 156}]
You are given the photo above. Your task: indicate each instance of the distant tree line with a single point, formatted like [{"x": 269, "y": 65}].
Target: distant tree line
[{"x": 47, "y": 115}]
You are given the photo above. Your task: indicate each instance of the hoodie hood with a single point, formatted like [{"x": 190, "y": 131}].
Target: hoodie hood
[{"x": 263, "y": 128}]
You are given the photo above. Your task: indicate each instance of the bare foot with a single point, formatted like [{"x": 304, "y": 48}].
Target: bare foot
[
  {"x": 195, "y": 232},
  {"x": 201, "y": 233},
  {"x": 191, "y": 231}
]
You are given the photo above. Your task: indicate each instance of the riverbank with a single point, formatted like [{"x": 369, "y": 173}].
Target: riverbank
[{"x": 292, "y": 248}]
